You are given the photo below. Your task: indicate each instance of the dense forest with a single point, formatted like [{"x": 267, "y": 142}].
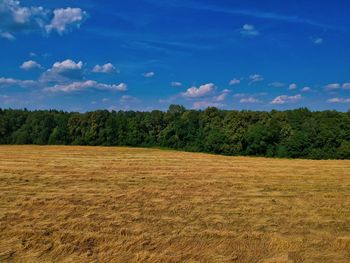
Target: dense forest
[{"x": 296, "y": 133}]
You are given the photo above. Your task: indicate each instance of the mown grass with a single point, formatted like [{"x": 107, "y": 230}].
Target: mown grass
[{"x": 96, "y": 204}]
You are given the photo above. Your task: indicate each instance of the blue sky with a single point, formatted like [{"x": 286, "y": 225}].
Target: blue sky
[{"x": 148, "y": 54}]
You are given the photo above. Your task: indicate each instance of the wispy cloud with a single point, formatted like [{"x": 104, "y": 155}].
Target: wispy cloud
[
  {"x": 249, "y": 31},
  {"x": 234, "y": 82},
  {"x": 255, "y": 78},
  {"x": 261, "y": 14},
  {"x": 84, "y": 85},
  {"x": 9, "y": 82},
  {"x": 277, "y": 84},
  {"x": 317, "y": 41},
  {"x": 148, "y": 74},
  {"x": 176, "y": 84},
  {"x": 249, "y": 100},
  {"x": 339, "y": 100}
]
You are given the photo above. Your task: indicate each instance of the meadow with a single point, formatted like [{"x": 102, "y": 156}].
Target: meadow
[{"x": 118, "y": 204}]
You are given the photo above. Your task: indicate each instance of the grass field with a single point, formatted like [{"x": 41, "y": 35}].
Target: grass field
[{"x": 95, "y": 204}]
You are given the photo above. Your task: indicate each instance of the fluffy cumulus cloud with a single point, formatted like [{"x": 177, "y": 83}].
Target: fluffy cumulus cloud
[
  {"x": 249, "y": 31},
  {"x": 293, "y": 86},
  {"x": 284, "y": 99},
  {"x": 63, "y": 71},
  {"x": 199, "y": 92},
  {"x": 67, "y": 65},
  {"x": 332, "y": 86},
  {"x": 64, "y": 76},
  {"x": 64, "y": 19},
  {"x": 234, "y": 82},
  {"x": 106, "y": 68},
  {"x": 15, "y": 18},
  {"x": 84, "y": 85},
  {"x": 255, "y": 78},
  {"x": 148, "y": 74},
  {"x": 306, "y": 89},
  {"x": 339, "y": 100},
  {"x": 30, "y": 64},
  {"x": 176, "y": 84}
]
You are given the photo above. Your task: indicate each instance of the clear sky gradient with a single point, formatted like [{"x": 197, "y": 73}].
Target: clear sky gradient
[{"x": 147, "y": 54}]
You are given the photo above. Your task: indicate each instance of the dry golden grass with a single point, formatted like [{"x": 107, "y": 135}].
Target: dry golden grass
[{"x": 95, "y": 204}]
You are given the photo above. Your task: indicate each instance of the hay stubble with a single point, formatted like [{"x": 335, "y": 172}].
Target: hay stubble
[{"x": 96, "y": 204}]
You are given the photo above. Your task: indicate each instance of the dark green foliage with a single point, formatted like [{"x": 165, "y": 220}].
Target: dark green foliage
[{"x": 290, "y": 134}]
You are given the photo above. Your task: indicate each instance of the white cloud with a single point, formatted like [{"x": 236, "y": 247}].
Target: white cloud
[
  {"x": 238, "y": 95},
  {"x": 120, "y": 87},
  {"x": 148, "y": 74},
  {"x": 65, "y": 19},
  {"x": 306, "y": 89},
  {"x": 30, "y": 64},
  {"x": 234, "y": 82},
  {"x": 7, "y": 82},
  {"x": 318, "y": 41},
  {"x": 83, "y": 85},
  {"x": 255, "y": 78},
  {"x": 277, "y": 84},
  {"x": 346, "y": 86},
  {"x": 65, "y": 76},
  {"x": 127, "y": 99},
  {"x": 337, "y": 86},
  {"x": 67, "y": 64},
  {"x": 249, "y": 100},
  {"x": 283, "y": 99},
  {"x": 293, "y": 86},
  {"x": 15, "y": 18},
  {"x": 176, "y": 84},
  {"x": 106, "y": 68},
  {"x": 339, "y": 100},
  {"x": 32, "y": 54},
  {"x": 63, "y": 71},
  {"x": 222, "y": 96},
  {"x": 332, "y": 86},
  {"x": 249, "y": 31},
  {"x": 202, "y": 91},
  {"x": 7, "y": 35}
]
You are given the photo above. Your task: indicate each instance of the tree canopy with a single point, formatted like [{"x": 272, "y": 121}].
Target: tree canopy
[{"x": 296, "y": 133}]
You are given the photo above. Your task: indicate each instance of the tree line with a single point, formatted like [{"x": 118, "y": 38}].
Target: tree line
[{"x": 297, "y": 133}]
